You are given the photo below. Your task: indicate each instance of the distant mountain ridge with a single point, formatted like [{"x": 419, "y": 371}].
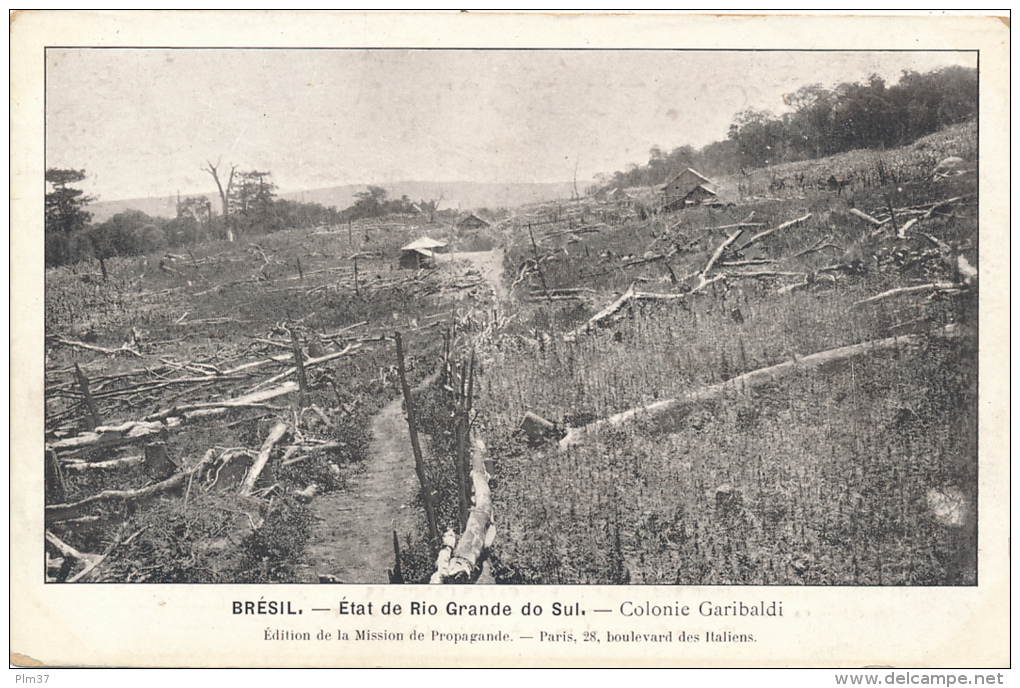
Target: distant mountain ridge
[{"x": 456, "y": 195}]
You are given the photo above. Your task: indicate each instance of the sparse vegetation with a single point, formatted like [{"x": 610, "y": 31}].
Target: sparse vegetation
[{"x": 860, "y": 473}]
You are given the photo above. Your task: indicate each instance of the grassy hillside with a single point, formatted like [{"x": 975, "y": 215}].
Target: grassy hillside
[{"x": 861, "y": 473}]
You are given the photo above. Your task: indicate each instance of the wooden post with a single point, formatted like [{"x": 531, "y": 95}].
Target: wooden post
[
  {"x": 419, "y": 462},
  {"x": 299, "y": 363},
  {"x": 92, "y": 421},
  {"x": 447, "y": 376},
  {"x": 350, "y": 233},
  {"x": 356, "y": 291},
  {"x": 461, "y": 440},
  {"x": 465, "y": 457},
  {"x": 538, "y": 264},
  {"x": 471, "y": 380},
  {"x": 396, "y": 575},
  {"x": 892, "y": 213},
  {"x": 157, "y": 462},
  {"x": 56, "y": 491},
  {"x": 300, "y": 272}
]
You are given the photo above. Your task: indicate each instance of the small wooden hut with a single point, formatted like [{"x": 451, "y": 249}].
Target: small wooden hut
[
  {"x": 472, "y": 221},
  {"x": 420, "y": 253}
]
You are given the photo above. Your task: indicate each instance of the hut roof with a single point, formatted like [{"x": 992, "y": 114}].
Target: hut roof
[
  {"x": 424, "y": 243},
  {"x": 472, "y": 219},
  {"x": 690, "y": 171}
]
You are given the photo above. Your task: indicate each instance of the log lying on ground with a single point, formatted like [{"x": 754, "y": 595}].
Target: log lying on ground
[
  {"x": 749, "y": 381},
  {"x": 480, "y": 532},
  {"x": 809, "y": 280},
  {"x": 538, "y": 429},
  {"x": 603, "y": 314},
  {"x": 767, "y": 232},
  {"x": 275, "y": 435},
  {"x": 114, "y": 435},
  {"x": 764, "y": 273},
  {"x": 703, "y": 275},
  {"x": 169, "y": 419},
  {"x": 112, "y": 464},
  {"x": 62, "y": 512},
  {"x": 443, "y": 558},
  {"x": 310, "y": 363},
  {"x": 96, "y": 561},
  {"x": 101, "y": 349},
  {"x": 65, "y": 549},
  {"x": 867, "y": 218},
  {"x": 934, "y": 287},
  {"x": 632, "y": 295}
]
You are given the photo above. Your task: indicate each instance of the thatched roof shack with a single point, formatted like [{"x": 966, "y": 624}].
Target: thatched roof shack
[
  {"x": 420, "y": 253},
  {"x": 472, "y": 221}
]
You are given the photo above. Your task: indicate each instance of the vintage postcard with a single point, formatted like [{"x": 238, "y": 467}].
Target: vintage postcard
[{"x": 453, "y": 339}]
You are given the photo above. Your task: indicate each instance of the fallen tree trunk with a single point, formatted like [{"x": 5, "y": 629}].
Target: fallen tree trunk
[
  {"x": 96, "y": 561},
  {"x": 867, "y": 218},
  {"x": 124, "y": 462},
  {"x": 603, "y": 314},
  {"x": 168, "y": 419},
  {"x": 65, "y": 549},
  {"x": 748, "y": 381},
  {"x": 945, "y": 287},
  {"x": 114, "y": 435},
  {"x": 310, "y": 363},
  {"x": 767, "y": 232},
  {"x": 275, "y": 435},
  {"x": 62, "y": 512},
  {"x": 101, "y": 349},
  {"x": 443, "y": 558},
  {"x": 632, "y": 295},
  {"x": 765, "y": 273},
  {"x": 480, "y": 532},
  {"x": 718, "y": 252}
]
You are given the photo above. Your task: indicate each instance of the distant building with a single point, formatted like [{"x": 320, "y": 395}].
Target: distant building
[
  {"x": 420, "y": 253},
  {"x": 688, "y": 188},
  {"x": 472, "y": 222},
  {"x": 617, "y": 195}
]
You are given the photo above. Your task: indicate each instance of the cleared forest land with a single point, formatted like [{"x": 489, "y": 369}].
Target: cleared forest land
[
  {"x": 184, "y": 444},
  {"x": 668, "y": 460},
  {"x": 780, "y": 389}
]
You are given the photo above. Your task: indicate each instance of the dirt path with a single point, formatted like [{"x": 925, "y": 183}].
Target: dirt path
[
  {"x": 352, "y": 531},
  {"x": 352, "y": 534},
  {"x": 490, "y": 265}
]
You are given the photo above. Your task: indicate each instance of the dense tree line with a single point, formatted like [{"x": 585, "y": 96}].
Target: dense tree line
[
  {"x": 252, "y": 209},
  {"x": 822, "y": 122},
  {"x": 375, "y": 202},
  {"x": 249, "y": 206}
]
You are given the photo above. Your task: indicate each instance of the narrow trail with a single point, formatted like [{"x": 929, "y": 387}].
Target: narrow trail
[
  {"x": 490, "y": 266},
  {"x": 352, "y": 533},
  {"x": 351, "y": 536}
]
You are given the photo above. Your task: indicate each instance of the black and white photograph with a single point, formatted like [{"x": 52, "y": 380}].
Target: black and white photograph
[{"x": 544, "y": 317}]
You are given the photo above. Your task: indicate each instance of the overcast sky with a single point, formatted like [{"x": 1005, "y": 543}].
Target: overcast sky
[{"x": 143, "y": 122}]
